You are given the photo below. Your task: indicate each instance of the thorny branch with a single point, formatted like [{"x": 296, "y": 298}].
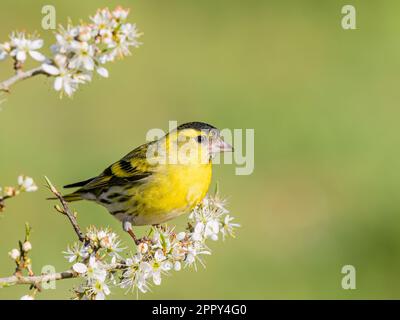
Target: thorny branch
[
  {"x": 23, "y": 262},
  {"x": 66, "y": 211},
  {"x": 37, "y": 280},
  {"x": 19, "y": 76}
]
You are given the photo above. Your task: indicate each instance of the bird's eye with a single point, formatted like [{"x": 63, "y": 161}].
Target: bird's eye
[{"x": 200, "y": 139}]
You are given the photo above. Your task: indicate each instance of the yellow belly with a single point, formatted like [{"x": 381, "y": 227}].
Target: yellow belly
[{"x": 174, "y": 190}]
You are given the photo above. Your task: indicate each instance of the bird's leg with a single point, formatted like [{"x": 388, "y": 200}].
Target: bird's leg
[
  {"x": 137, "y": 241},
  {"x": 127, "y": 226}
]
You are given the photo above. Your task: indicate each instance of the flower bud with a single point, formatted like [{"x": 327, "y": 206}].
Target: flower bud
[
  {"x": 143, "y": 247},
  {"x": 7, "y": 46},
  {"x": 84, "y": 33},
  {"x": 27, "y": 246},
  {"x": 10, "y": 191},
  {"x": 177, "y": 266},
  {"x": 180, "y": 236},
  {"x": 79, "y": 268},
  {"x": 14, "y": 254}
]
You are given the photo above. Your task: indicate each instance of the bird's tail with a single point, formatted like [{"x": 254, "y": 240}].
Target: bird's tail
[{"x": 75, "y": 196}]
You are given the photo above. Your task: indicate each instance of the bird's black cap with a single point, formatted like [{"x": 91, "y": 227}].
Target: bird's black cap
[{"x": 196, "y": 126}]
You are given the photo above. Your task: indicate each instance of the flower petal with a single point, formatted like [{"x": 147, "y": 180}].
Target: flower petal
[
  {"x": 37, "y": 55},
  {"x": 36, "y": 44},
  {"x": 3, "y": 55},
  {"x": 100, "y": 296},
  {"x": 58, "y": 83},
  {"x": 88, "y": 63},
  {"x": 177, "y": 266},
  {"x": 50, "y": 69},
  {"x": 79, "y": 268},
  {"x": 157, "y": 278},
  {"x": 21, "y": 56},
  {"x": 180, "y": 236},
  {"x": 103, "y": 72},
  {"x": 68, "y": 89}
]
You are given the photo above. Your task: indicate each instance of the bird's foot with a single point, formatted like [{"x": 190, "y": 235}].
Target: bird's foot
[
  {"x": 160, "y": 226},
  {"x": 144, "y": 239}
]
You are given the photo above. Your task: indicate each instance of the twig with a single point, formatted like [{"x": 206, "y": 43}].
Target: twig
[
  {"x": 2, "y": 201},
  {"x": 36, "y": 280},
  {"x": 19, "y": 76},
  {"x": 67, "y": 211}
]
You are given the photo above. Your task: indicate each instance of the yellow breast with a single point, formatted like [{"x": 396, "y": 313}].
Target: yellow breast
[{"x": 172, "y": 191}]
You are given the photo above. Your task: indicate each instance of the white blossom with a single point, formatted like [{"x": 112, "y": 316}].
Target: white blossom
[
  {"x": 80, "y": 268},
  {"x": 100, "y": 290},
  {"x": 143, "y": 247},
  {"x": 212, "y": 229},
  {"x": 102, "y": 71},
  {"x": 194, "y": 250},
  {"x": 103, "y": 21},
  {"x": 110, "y": 241},
  {"x": 76, "y": 252},
  {"x": 79, "y": 49},
  {"x": 120, "y": 13},
  {"x": 22, "y": 46},
  {"x": 136, "y": 274},
  {"x": 5, "y": 49},
  {"x": 26, "y": 246},
  {"x": 177, "y": 266},
  {"x": 27, "y": 184},
  {"x": 14, "y": 254},
  {"x": 198, "y": 232},
  {"x": 228, "y": 227},
  {"x": 66, "y": 80},
  {"x": 180, "y": 236},
  {"x": 84, "y": 33},
  {"x": 83, "y": 56},
  {"x": 64, "y": 38},
  {"x": 159, "y": 253}
]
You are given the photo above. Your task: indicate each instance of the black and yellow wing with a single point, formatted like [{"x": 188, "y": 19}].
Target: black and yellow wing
[{"x": 132, "y": 168}]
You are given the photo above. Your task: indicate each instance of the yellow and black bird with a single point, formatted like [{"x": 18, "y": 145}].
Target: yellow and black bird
[{"x": 159, "y": 180}]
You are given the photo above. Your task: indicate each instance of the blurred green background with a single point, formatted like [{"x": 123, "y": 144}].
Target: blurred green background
[{"x": 324, "y": 105}]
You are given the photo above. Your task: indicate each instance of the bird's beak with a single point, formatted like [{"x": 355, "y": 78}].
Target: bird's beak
[{"x": 220, "y": 145}]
